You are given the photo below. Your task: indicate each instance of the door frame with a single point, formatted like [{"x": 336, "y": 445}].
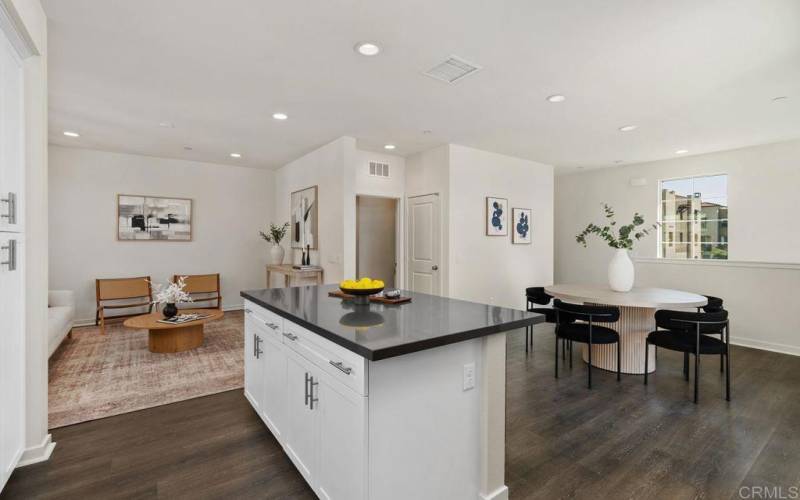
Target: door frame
[
  {"x": 442, "y": 289},
  {"x": 399, "y": 237}
]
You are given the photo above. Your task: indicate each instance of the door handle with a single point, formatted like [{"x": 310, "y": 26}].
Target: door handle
[
  {"x": 259, "y": 352},
  {"x": 435, "y": 267},
  {"x": 12, "y": 255},
  {"x": 308, "y": 379},
  {"x": 311, "y": 398},
  {"x": 338, "y": 364},
  {"x": 11, "y": 201}
]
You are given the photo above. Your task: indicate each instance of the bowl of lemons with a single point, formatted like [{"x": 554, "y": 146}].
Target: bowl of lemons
[{"x": 361, "y": 289}]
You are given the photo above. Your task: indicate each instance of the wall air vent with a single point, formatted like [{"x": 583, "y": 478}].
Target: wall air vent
[
  {"x": 378, "y": 169},
  {"x": 452, "y": 70}
]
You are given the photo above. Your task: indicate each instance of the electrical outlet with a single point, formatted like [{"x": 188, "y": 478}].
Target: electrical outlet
[{"x": 469, "y": 376}]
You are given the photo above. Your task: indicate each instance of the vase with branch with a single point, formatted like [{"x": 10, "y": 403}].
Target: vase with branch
[
  {"x": 274, "y": 235},
  {"x": 622, "y": 238},
  {"x": 170, "y": 296}
]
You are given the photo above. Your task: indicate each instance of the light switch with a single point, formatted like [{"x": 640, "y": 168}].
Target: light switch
[{"x": 469, "y": 376}]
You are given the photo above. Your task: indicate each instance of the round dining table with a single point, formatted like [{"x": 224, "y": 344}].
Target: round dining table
[{"x": 637, "y": 318}]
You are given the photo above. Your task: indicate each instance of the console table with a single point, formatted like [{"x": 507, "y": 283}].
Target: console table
[{"x": 289, "y": 272}]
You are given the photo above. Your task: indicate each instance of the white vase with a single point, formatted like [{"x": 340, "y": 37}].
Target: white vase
[
  {"x": 620, "y": 272},
  {"x": 276, "y": 253}
]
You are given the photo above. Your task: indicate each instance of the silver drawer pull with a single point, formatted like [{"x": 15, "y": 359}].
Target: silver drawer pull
[
  {"x": 248, "y": 311},
  {"x": 290, "y": 336},
  {"x": 338, "y": 364},
  {"x": 11, "y": 248},
  {"x": 271, "y": 325},
  {"x": 11, "y": 200}
]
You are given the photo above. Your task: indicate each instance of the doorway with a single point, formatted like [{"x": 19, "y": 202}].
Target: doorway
[{"x": 376, "y": 238}]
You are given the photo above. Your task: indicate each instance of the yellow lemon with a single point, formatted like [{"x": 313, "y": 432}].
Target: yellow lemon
[{"x": 377, "y": 284}]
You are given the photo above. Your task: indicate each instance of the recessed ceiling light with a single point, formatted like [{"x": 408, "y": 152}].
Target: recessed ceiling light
[
  {"x": 681, "y": 151},
  {"x": 367, "y": 48},
  {"x": 280, "y": 116},
  {"x": 389, "y": 146},
  {"x": 71, "y": 134},
  {"x": 166, "y": 125},
  {"x": 628, "y": 128},
  {"x": 427, "y": 132},
  {"x": 187, "y": 148},
  {"x": 617, "y": 161},
  {"x": 556, "y": 98},
  {"x": 780, "y": 98},
  {"x": 236, "y": 155}
]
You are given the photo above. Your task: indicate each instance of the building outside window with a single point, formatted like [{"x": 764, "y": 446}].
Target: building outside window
[{"x": 694, "y": 218}]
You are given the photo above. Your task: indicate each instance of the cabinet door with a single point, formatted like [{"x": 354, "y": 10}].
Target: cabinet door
[
  {"x": 12, "y": 356},
  {"x": 253, "y": 365},
  {"x": 12, "y": 145},
  {"x": 342, "y": 442},
  {"x": 273, "y": 405},
  {"x": 301, "y": 418}
]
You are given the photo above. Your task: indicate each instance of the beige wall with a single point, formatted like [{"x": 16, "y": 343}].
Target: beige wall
[
  {"x": 762, "y": 194},
  {"x": 230, "y": 205}
]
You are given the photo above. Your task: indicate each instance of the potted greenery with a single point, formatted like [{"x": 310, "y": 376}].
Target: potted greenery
[
  {"x": 274, "y": 236},
  {"x": 171, "y": 295},
  {"x": 620, "y": 269}
]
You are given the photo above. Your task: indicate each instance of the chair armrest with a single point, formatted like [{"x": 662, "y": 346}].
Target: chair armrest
[{"x": 61, "y": 298}]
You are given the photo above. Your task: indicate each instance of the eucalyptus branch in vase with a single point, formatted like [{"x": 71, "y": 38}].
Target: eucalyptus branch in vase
[
  {"x": 622, "y": 238},
  {"x": 274, "y": 235}
]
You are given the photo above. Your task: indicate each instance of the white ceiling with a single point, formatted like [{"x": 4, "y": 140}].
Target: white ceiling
[{"x": 696, "y": 75}]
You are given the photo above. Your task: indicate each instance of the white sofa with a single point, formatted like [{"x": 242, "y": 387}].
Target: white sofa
[{"x": 60, "y": 317}]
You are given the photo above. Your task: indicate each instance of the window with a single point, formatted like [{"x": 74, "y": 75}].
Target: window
[{"x": 696, "y": 209}]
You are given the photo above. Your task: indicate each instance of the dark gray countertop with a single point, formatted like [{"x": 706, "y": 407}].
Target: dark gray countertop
[{"x": 383, "y": 331}]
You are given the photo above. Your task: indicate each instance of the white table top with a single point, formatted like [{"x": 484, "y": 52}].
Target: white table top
[{"x": 655, "y": 298}]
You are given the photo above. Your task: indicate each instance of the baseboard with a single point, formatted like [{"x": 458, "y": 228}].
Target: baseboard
[
  {"x": 39, "y": 453},
  {"x": 766, "y": 346},
  {"x": 498, "y": 494},
  {"x": 90, "y": 321}
]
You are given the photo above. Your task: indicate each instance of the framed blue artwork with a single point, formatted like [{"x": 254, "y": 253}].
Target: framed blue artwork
[
  {"x": 522, "y": 226},
  {"x": 496, "y": 216}
]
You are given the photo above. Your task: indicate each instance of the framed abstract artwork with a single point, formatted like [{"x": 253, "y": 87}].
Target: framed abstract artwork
[
  {"x": 153, "y": 218},
  {"x": 304, "y": 218},
  {"x": 522, "y": 226},
  {"x": 496, "y": 216}
]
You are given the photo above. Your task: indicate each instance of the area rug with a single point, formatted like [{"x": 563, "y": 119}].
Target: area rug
[{"x": 94, "y": 376}]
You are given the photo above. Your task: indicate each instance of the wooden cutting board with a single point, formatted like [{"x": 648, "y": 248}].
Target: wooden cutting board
[{"x": 378, "y": 299}]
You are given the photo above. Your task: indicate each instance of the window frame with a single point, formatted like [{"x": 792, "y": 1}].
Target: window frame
[{"x": 660, "y": 220}]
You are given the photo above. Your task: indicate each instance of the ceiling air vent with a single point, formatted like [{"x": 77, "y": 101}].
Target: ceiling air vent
[
  {"x": 378, "y": 169},
  {"x": 452, "y": 70}
]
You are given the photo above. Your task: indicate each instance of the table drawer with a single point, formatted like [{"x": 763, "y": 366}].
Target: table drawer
[
  {"x": 267, "y": 321},
  {"x": 343, "y": 365}
]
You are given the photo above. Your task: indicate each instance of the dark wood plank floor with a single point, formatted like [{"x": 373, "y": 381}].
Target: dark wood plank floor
[{"x": 620, "y": 440}]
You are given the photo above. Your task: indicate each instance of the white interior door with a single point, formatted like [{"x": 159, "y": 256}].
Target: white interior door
[
  {"x": 12, "y": 146},
  {"x": 424, "y": 244}
]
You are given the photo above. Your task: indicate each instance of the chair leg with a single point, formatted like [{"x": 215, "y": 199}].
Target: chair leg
[
  {"x": 721, "y": 363},
  {"x": 102, "y": 323},
  {"x": 696, "y": 375},
  {"x": 531, "y": 328},
  {"x": 570, "y": 355},
  {"x": 646, "y": 359},
  {"x": 590, "y": 363},
  {"x": 69, "y": 335},
  {"x": 564, "y": 349},
  {"x": 556, "y": 356},
  {"x": 727, "y": 374},
  {"x": 619, "y": 361}
]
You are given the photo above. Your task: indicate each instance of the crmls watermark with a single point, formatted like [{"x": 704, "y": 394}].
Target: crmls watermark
[{"x": 769, "y": 493}]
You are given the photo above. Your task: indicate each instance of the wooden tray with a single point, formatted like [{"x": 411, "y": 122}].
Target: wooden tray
[{"x": 374, "y": 298}]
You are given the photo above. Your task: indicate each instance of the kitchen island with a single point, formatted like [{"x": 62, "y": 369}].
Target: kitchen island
[{"x": 382, "y": 402}]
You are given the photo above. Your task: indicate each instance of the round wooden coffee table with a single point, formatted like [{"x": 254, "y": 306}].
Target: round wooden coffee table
[{"x": 166, "y": 338}]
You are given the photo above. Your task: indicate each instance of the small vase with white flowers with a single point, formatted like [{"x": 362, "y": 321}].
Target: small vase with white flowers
[{"x": 171, "y": 295}]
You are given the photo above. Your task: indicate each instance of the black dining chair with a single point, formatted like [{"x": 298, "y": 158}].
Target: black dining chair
[
  {"x": 691, "y": 333},
  {"x": 586, "y": 332},
  {"x": 715, "y": 304},
  {"x": 535, "y": 295}
]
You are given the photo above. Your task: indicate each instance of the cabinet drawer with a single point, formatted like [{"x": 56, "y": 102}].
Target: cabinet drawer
[
  {"x": 267, "y": 321},
  {"x": 344, "y": 366}
]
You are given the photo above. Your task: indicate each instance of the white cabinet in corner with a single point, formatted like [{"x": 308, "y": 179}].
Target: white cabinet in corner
[{"x": 265, "y": 368}]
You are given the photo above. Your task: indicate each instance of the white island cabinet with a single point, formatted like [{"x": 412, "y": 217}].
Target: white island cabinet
[{"x": 385, "y": 402}]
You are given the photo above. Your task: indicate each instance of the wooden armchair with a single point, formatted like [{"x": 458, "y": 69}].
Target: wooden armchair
[
  {"x": 121, "y": 293},
  {"x": 202, "y": 288}
]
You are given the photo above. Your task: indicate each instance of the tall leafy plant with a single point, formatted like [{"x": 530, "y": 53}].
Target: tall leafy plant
[
  {"x": 620, "y": 237},
  {"x": 275, "y": 233}
]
